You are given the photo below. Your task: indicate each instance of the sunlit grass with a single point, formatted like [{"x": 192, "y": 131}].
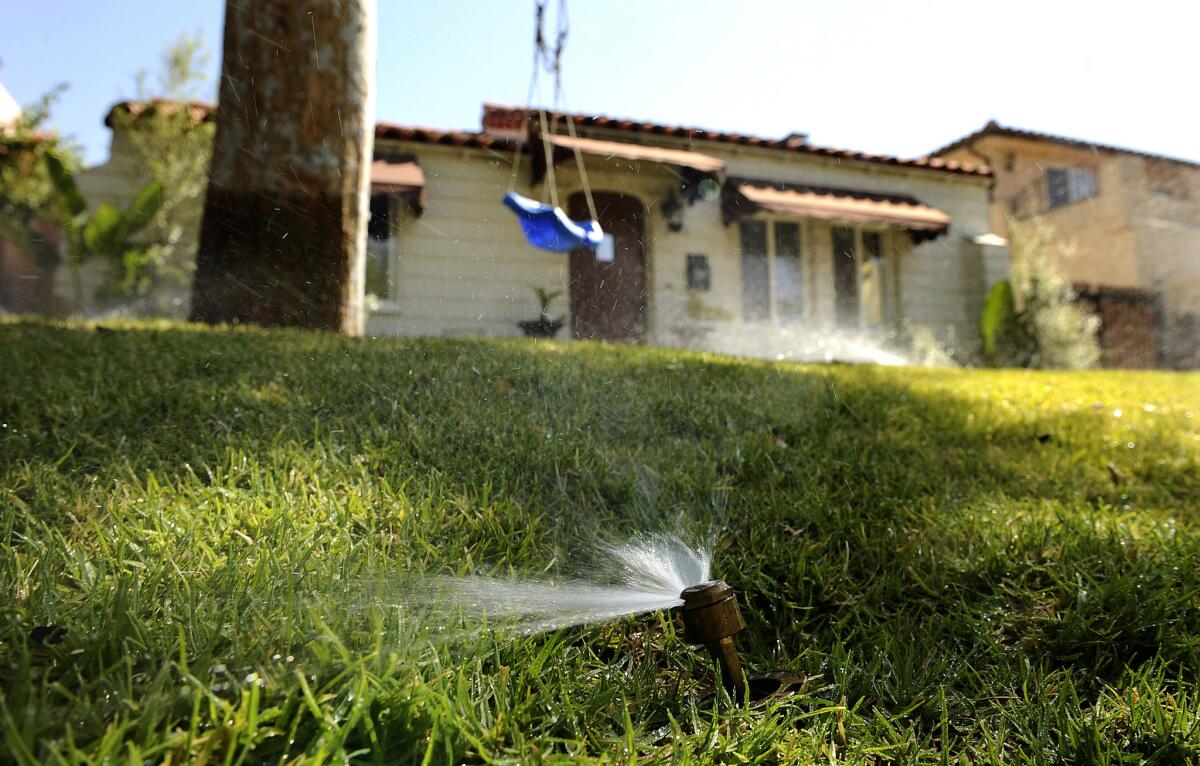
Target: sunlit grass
[{"x": 1002, "y": 566}]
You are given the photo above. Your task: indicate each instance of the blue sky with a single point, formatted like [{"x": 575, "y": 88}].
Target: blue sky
[{"x": 886, "y": 77}]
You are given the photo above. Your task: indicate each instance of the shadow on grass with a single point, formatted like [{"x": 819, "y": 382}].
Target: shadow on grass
[{"x": 893, "y": 530}]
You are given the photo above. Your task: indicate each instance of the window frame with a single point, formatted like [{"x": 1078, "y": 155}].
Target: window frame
[
  {"x": 1070, "y": 173},
  {"x": 889, "y": 287},
  {"x": 804, "y": 242},
  {"x": 397, "y": 213}
]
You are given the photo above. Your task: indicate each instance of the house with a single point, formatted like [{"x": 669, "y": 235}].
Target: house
[
  {"x": 24, "y": 287},
  {"x": 1133, "y": 219},
  {"x": 721, "y": 241}
]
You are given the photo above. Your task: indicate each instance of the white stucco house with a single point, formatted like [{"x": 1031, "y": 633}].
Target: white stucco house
[{"x": 720, "y": 238}]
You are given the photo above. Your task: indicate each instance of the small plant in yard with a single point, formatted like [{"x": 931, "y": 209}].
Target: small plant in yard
[
  {"x": 1032, "y": 319},
  {"x": 544, "y": 326}
]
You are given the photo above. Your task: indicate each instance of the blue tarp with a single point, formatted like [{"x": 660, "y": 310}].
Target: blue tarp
[{"x": 549, "y": 228}]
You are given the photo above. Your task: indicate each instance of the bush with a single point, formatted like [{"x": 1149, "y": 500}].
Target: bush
[{"x": 1032, "y": 319}]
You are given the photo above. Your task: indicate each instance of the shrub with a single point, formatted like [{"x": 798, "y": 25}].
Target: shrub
[{"x": 1032, "y": 319}]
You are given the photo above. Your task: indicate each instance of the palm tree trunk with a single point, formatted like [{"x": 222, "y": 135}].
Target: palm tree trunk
[{"x": 284, "y": 230}]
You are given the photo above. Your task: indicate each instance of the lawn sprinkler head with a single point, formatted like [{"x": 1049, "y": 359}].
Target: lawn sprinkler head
[{"x": 710, "y": 617}]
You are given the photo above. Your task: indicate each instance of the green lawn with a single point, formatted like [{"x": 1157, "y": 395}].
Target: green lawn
[{"x": 203, "y": 516}]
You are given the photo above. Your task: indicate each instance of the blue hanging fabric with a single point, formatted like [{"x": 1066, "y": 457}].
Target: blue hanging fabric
[{"x": 549, "y": 227}]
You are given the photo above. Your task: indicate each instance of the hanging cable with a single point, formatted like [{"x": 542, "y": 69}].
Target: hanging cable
[{"x": 562, "y": 29}]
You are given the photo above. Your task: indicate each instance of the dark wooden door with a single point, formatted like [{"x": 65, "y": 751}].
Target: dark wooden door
[{"x": 608, "y": 300}]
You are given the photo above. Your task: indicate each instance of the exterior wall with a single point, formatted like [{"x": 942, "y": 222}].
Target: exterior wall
[
  {"x": 1167, "y": 235},
  {"x": 24, "y": 288},
  {"x": 464, "y": 267},
  {"x": 1099, "y": 230}
]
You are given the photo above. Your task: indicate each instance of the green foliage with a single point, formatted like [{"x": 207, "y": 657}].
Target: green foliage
[
  {"x": 63, "y": 178},
  {"x": 999, "y": 311},
  {"x": 546, "y": 298},
  {"x": 29, "y": 204},
  {"x": 105, "y": 231},
  {"x": 1034, "y": 321},
  {"x": 173, "y": 149},
  {"x": 217, "y": 518}
]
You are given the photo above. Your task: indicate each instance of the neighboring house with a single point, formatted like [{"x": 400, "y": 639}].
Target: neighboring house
[
  {"x": 24, "y": 288},
  {"x": 1133, "y": 219},
  {"x": 719, "y": 237}
]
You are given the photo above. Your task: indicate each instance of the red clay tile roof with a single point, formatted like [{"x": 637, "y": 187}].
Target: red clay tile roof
[
  {"x": 743, "y": 196},
  {"x": 200, "y": 111},
  {"x": 993, "y": 128},
  {"x": 683, "y": 157},
  {"x": 443, "y": 137},
  {"x": 510, "y": 116},
  {"x": 499, "y": 114}
]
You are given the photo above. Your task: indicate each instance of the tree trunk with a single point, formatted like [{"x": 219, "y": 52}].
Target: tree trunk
[{"x": 284, "y": 230}]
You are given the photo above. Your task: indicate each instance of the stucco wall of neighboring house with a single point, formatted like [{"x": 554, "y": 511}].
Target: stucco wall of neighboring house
[
  {"x": 1167, "y": 230},
  {"x": 1142, "y": 229},
  {"x": 1095, "y": 237}
]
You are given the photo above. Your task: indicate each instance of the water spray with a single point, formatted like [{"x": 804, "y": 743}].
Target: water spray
[{"x": 644, "y": 575}]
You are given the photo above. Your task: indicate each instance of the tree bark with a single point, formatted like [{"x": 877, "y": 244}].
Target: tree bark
[{"x": 284, "y": 230}]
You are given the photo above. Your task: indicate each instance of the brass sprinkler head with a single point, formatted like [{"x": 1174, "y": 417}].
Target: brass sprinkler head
[{"x": 711, "y": 617}]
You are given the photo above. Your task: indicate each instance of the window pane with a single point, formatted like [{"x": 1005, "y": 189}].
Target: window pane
[
  {"x": 379, "y": 230},
  {"x": 379, "y": 225},
  {"x": 755, "y": 294},
  {"x": 872, "y": 244},
  {"x": 845, "y": 277},
  {"x": 871, "y": 279},
  {"x": 789, "y": 272},
  {"x": 378, "y": 255},
  {"x": 1058, "y": 188},
  {"x": 1082, "y": 183}
]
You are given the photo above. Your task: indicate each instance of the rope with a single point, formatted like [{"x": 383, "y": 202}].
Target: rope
[
  {"x": 539, "y": 50},
  {"x": 552, "y": 63},
  {"x": 583, "y": 178},
  {"x": 550, "y": 180}
]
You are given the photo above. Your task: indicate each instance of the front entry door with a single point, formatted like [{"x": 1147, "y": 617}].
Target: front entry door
[{"x": 608, "y": 300}]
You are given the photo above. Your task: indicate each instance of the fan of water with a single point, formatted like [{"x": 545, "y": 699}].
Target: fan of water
[{"x": 643, "y": 575}]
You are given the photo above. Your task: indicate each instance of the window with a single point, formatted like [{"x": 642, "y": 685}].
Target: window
[
  {"x": 1067, "y": 185},
  {"x": 845, "y": 277},
  {"x": 756, "y": 277},
  {"x": 863, "y": 283},
  {"x": 381, "y": 242},
  {"x": 699, "y": 276},
  {"x": 772, "y": 271},
  {"x": 872, "y": 281},
  {"x": 789, "y": 272}
]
